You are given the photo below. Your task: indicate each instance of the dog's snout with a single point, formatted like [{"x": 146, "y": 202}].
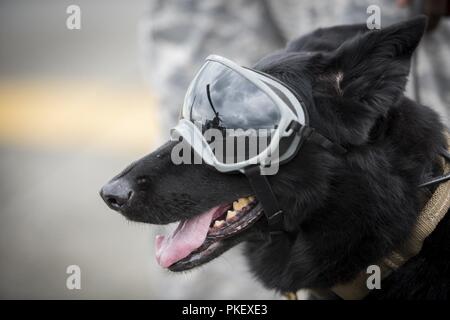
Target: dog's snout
[{"x": 116, "y": 193}]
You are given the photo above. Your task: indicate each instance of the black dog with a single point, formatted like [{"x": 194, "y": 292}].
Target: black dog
[{"x": 341, "y": 212}]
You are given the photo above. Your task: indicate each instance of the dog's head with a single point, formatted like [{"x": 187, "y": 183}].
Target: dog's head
[{"x": 340, "y": 212}]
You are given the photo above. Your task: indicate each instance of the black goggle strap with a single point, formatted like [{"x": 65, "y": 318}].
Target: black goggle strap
[
  {"x": 444, "y": 177},
  {"x": 312, "y": 135},
  {"x": 263, "y": 191},
  {"x": 261, "y": 186}
]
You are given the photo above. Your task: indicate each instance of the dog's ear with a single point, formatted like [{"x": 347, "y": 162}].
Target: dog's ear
[{"x": 373, "y": 67}]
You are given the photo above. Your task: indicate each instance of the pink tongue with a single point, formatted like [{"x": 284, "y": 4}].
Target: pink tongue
[{"x": 188, "y": 236}]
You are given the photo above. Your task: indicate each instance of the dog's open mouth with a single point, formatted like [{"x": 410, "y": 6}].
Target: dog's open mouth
[{"x": 201, "y": 238}]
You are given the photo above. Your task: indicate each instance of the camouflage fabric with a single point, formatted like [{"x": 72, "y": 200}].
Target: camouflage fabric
[
  {"x": 178, "y": 34},
  {"x": 295, "y": 17}
]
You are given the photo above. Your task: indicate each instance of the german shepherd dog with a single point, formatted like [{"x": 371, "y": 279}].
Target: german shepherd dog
[{"x": 341, "y": 213}]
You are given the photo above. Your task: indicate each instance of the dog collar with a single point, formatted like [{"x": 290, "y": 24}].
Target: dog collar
[{"x": 430, "y": 216}]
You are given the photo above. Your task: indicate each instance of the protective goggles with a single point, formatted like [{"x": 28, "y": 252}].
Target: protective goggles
[
  {"x": 234, "y": 117},
  {"x": 239, "y": 119}
]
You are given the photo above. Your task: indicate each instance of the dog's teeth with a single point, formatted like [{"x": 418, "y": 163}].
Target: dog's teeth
[
  {"x": 231, "y": 215},
  {"x": 219, "y": 223},
  {"x": 241, "y": 203}
]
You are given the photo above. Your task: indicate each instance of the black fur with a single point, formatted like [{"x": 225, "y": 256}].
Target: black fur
[{"x": 345, "y": 212}]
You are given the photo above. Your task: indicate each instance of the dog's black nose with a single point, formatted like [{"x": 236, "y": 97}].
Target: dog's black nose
[{"x": 116, "y": 193}]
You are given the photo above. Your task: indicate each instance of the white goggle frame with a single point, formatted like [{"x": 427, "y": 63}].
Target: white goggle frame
[{"x": 194, "y": 137}]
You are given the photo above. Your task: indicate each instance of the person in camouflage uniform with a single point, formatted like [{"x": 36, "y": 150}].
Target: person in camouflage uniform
[{"x": 177, "y": 35}]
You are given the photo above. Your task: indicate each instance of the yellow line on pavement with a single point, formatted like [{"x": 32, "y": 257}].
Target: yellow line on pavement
[{"x": 75, "y": 114}]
